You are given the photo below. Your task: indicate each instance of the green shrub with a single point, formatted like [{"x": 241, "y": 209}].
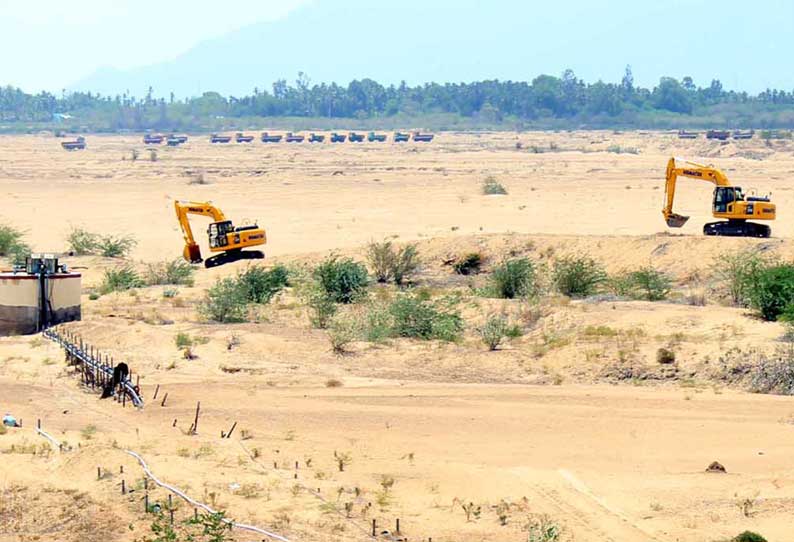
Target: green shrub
[
  {"x": 738, "y": 272},
  {"x": 379, "y": 323},
  {"x": 170, "y": 293},
  {"x": 82, "y": 242},
  {"x": 772, "y": 291},
  {"x": 620, "y": 284},
  {"x": 322, "y": 308},
  {"x": 491, "y": 186},
  {"x": 171, "y": 272},
  {"x": 9, "y": 237},
  {"x": 406, "y": 263},
  {"x": 420, "y": 318},
  {"x": 388, "y": 263},
  {"x": 617, "y": 149},
  {"x": 665, "y": 356},
  {"x": 120, "y": 279},
  {"x": 343, "y": 280},
  {"x": 380, "y": 257},
  {"x": 748, "y": 536},
  {"x": 224, "y": 302},
  {"x": 577, "y": 276},
  {"x": 468, "y": 264},
  {"x": 12, "y": 246},
  {"x": 260, "y": 285},
  {"x": 115, "y": 246},
  {"x": 342, "y": 332},
  {"x": 495, "y": 330},
  {"x": 650, "y": 284},
  {"x": 183, "y": 340},
  {"x": 514, "y": 279}
]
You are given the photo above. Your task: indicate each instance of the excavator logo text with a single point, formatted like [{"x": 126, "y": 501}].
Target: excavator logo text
[{"x": 693, "y": 173}]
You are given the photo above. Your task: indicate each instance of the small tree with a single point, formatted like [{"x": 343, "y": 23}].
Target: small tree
[
  {"x": 224, "y": 302},
  {"x": 773, "y": 291},
  {"x": 738, "y": 272}
]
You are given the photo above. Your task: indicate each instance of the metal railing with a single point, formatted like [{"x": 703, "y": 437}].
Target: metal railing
[{"x": 94, "y": 370}]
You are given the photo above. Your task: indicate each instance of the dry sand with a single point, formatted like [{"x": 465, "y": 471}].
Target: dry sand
[{"x": 450, "y": 423}]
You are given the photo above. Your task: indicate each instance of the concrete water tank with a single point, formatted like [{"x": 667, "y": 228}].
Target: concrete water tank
[{"x": 34, "y": 298}]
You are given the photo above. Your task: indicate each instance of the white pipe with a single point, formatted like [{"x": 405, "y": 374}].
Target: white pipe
[
  {"x": 203, "y": 506},
  {"x": 48, "y": 437}
]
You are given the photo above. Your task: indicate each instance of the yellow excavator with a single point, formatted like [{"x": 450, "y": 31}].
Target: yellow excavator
[
  {"x": 224, "y": 237},
  {"x": 729, "y": 202}
]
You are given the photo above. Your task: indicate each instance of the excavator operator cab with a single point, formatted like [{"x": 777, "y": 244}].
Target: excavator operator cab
[
  {"x": 217, "y": 233},
  {"x": 724, "y": 196}
]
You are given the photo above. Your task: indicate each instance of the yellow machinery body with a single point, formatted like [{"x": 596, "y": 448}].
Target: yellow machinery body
[
  {"x": 729, "y": 202},
  {"x": 224, "y": 238}
]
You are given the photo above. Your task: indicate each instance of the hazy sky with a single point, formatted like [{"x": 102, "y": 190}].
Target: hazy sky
[
  {"x": 52, "y": 44},
  {"x": 49, "y": 44}
]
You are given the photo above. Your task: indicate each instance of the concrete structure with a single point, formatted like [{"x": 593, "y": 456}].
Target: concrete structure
[{"x": 30, "y": 302}]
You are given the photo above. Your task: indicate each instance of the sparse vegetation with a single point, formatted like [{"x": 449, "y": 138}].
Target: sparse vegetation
[
  {"x": 260, "y": 285},
  {"x": 343, "y": 459},
  {"x": 543, "y": 529},
  {"x": 748, "y": 536},
  {"x": 11, "y": 244},
  {"x": 120, "y": 279},
  {"x": 647, "y": 283},
  {"x": 665, "y": 356},
  {"x": 617, "y": 149},
  {"x": 82, "y": 242},
  {"x": 321, "y": 307},
  {"x": 416, "y": 317},
  {"x": 577, "y": 276},
  {"x": 115, "y": 246},
  {"x": 514, "y": 279},
  {"x": 342, "y": 279},
  {"x": 495, "y": 330},
  {"x": 224, "y": 302},
  {"x": 492, "y": 187},
  {"x": 469, "y": 264},
  {"x": 738, "y": 273},
  {"x": 772, "y": 291},
  {"x": 389, "y": 263},
  {"x": 170, "y": 272},
  {"x": 342, "y": 332}
]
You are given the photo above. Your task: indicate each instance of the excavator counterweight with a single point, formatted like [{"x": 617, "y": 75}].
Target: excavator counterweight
[
  {"x": 224, "y": 238},
  {"x": 729, "y": 202}
]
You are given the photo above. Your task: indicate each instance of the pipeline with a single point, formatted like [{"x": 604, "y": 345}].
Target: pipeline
[
  {"x": 93, "y": 366},
  {"x": 203, "y": 506}
]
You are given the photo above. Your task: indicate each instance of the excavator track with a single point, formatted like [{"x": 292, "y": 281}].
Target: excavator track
[
  {"x": 233, "y": 256},
  {"x": 737, "y": 228}
]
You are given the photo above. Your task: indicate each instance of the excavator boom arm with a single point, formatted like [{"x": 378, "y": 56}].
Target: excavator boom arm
[
  {"x": 192, "y": 252},
  {"x": 683, "y": 168}
]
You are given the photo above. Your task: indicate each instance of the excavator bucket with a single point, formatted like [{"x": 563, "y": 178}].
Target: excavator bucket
[
  {"x": 676, "y": 221},
  {"x": 192, "y": 253}
]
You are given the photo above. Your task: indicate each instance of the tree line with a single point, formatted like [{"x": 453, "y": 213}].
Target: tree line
[{"x": 546, "y": 101}]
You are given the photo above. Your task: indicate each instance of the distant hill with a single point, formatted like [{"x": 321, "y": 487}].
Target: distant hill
[{"x": 466, "y": 40}]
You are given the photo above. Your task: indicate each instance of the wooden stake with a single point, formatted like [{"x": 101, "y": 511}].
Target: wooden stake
[
  {"x": 162, "y": 404},
  {"x": 99, "y": 473},
  {"x": 123, "y": 487},
  {"x": 229, "y": 434},
  {"x": 373, "y": 527},
  {"x": 157, "y": 389},
  {"x": 195, "y": 423}
]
